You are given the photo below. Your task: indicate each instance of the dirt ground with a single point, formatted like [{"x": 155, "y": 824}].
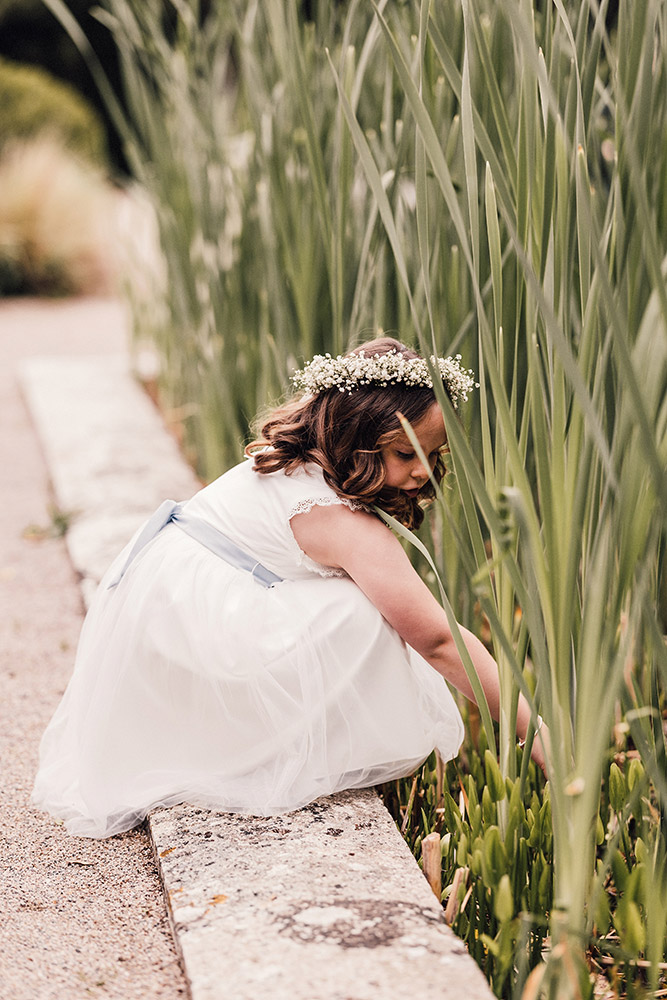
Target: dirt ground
[{"x": 78, "y": 918}]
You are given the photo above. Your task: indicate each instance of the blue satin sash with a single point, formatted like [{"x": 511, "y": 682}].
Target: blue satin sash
[{"x": 170, "y": 511}]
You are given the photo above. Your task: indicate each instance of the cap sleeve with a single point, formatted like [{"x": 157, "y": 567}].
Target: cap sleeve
[{"x": 315, "y": 492}]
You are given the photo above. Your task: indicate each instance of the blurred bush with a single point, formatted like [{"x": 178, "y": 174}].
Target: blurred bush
[
  {"x": 31, "y": 35},
  {"x": 33, "y": 102},
  {"x": 56, "y": 218}
]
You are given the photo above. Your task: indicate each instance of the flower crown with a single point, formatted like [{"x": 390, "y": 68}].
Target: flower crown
[{"x": 348, "y": 371}]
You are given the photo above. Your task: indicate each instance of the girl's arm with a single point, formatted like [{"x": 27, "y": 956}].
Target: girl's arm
[{"x": 373, "y": 557}]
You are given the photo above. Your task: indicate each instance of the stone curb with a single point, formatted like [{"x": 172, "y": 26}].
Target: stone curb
[
  {"x": 326, "y": 903},
  {"x": 110, "y": 459}
]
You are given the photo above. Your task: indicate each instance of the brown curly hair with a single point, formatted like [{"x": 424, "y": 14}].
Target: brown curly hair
[{"x": 343, "y": 433}]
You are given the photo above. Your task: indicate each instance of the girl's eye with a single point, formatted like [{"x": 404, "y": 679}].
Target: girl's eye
[{"x": 405, "y": 455}]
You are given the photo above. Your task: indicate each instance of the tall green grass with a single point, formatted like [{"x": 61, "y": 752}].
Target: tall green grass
[
  {"x": 558, "y": 209},
  {"x": 272, "y": 250}
]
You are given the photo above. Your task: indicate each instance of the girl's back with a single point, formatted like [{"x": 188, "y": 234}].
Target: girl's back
[{"x": 256, "y": 510}]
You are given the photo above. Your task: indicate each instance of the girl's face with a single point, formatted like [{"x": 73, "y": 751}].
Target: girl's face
[{"x": 403, "y": 468}]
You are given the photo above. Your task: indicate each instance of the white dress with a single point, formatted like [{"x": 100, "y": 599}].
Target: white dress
[{"x": 193, "y": 682}]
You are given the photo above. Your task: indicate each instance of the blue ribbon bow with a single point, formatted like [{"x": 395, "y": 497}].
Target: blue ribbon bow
[{"x": 171, "y": 511}]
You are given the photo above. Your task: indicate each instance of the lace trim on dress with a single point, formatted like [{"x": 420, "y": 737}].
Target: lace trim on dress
[{"x": 303, "y": 507}]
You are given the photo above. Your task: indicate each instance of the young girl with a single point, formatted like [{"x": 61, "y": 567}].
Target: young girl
[{"x": 269, "y": 642}]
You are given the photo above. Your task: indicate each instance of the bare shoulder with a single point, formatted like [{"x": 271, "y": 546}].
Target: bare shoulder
[{"x": 328, "y": 533}]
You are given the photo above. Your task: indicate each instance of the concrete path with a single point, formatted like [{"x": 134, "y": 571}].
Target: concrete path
[
  {"x": 78, "y": 918},
  {"x": 323, "y": 904}
]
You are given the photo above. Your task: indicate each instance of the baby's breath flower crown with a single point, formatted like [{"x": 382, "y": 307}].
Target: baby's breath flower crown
[{"x": 349, "y": 371}]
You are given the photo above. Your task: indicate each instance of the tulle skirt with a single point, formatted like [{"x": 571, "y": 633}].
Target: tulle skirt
[{"x": 195, "y": 683}]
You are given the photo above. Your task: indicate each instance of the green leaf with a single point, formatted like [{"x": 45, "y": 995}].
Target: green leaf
[
  {"x": 462, "y": 859},
  {"x": 617, "y": 788},
  {"x": 599, "y": 831},
  {"x": 602, "y": 914},
  {"x": 489, "y": 811},
  {"x": 620, "y": 871},
  {"x": 628, "y": 923},
  {"x": 494, "y": 778},
  {"x": 494, "y": 858},
  {"x": 516, "y": 816},
  {"x": 503, "y": 902},
  {"x": 636, "y": 774}
]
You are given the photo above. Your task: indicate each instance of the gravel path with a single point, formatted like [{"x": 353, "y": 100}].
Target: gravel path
[{"x": 78, "y": 918}]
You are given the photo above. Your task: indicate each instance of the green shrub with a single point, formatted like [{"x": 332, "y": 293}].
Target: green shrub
[{"x": 33, "y": 102}]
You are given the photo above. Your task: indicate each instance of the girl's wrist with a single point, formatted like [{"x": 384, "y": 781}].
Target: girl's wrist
[{"x": 540, "y": 723}]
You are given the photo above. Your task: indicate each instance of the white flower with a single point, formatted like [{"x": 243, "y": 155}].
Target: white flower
[{"x": 348, "y": 372}]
